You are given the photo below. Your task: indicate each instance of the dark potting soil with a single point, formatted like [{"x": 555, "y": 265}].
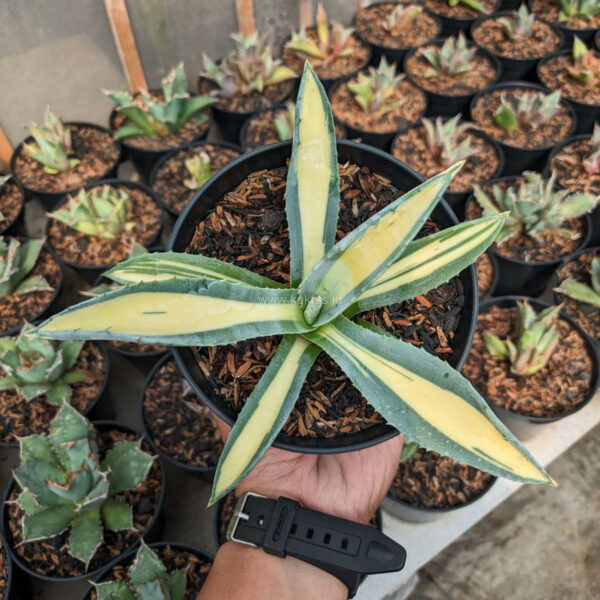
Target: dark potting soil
[
  {"x": 585, "y": 315},
  {"x": 15, "y": 310},
  {"x": 523, "y": 247},
  {"x": 410, "y": 146},
  {"x": 570, "y": 172},
  {"x": 50, "y": 556},
  {"x": 429, "y": 480},
  {"x": 3, "y": 572},
  {"x": 348, "y": 111},
  {"x": 272, "y": 94},
  {"x": 95, "y": 150},
  {"x": 92, "y": 251},
  {"x": 370, "y": 25},
  {"x": 554, "y": 74},
  {"x": 460, "y": 11},
  {"x": 555, "y": 390},
  {"x": 188, "y": 133},
  {"x": 19, "y": 418},
  {"x": 489, "y": 34},
  {"x": 485, "y": 274},
  {"x": 11, "y": 202},
  {"x": 330, "y": 67},
  {"x": 174, "y": 559},
  {"x": 248, "y": 227},
  {"x": 481, "y": 73},
  {"x": 549, "y": 10},
  {"x": 179, "y": 424}
]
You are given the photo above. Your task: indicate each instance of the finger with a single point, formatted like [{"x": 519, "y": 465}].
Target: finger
[{"x": 224, "y": 428}]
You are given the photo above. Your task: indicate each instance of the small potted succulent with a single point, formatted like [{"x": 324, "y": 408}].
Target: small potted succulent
[
  {"x": 59, "y": 158},
  {"x": 377, "y": 103},
  {"x": 486, "y": 268},
  {"x": 81, "y": 496},
  {"x": 574, "y": 17},
  {"x": 179, "y": 174},
  {"x": 450, "y": 71},
  {"x": 531, "y": 362},
  {"x": 525, "y": 119},
  {"x": 432, "y": 146},
  {"x": 96, "y": 228},
  {"x": 152, "y": 123},
  {"x": 210, "y": 308},
  {"x": 544, "y": 226},
  {"x": 176, "y": 423},
  {"x": 334, "y": 51},
  {"x": 30, "y": 281},
  {"x": 159, "y": 571},
  {"x": 428, "y": 485},
  {"x": 393, "y": 28},
  {"x": 12, "y": 205},
  {"x": 576, "y": 75},
  {"x": 38, "y": 376},
  {"x": 578, "y": 289},
  {"x": 518, "y": 39},
  {"x": 245, "y": 81},
  {"x": 459, "y": 15}
]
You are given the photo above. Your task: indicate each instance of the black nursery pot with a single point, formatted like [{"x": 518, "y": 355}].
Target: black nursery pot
[
  {"x": 275, "y": 156},
  {"x": 518, "y": 159},
  {"x": 516, "y": 69},
  {"x": 522, "y": 278},
  {"x": 525, "y": 427},
  {"x": 50, "y": 200},
  {"x": 597, "y": 40},
  {"x": 453, "y": 25},
  {"x": 151, "y": 534},
  {"x": 18, "y": 585},
  {"x": 91, "y": 272},
  {"x": 450, "y": 105},
  {"x": 17, "y": 226},
  {"x": 510, "y": 5}
]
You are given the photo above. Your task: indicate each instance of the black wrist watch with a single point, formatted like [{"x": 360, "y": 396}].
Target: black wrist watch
[{"x": 345, "y": 549}]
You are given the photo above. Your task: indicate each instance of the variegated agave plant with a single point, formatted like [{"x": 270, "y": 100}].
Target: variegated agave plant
[{"x": 184, "y": 299}]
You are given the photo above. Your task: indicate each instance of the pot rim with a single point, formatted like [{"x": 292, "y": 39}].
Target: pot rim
[
  {"x": 463, "y": 20},
  {"x": 560, "y": 146},
  {"x": 5, "y": 228}
]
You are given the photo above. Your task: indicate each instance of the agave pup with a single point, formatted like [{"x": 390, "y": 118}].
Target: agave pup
[
  {"x": 17, "y": 260},
  {"x": 588, "y": 294}
]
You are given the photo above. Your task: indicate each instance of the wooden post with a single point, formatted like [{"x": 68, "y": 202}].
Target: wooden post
[
  {"x": 125, "y": 42},
  {"x": 6, "y": 151},
  {"x": 306, "y": 13},
  {"x": 244, "y": 10}
]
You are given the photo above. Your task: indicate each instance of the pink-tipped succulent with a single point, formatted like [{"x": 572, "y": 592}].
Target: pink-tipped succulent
[
  {"x": 447, "y": 140},
  {"x": 591, "y": 164},
  {"x": 586, "y": 65}
]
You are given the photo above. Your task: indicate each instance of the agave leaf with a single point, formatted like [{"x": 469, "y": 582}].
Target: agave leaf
[
  {"x": 75, "y": 489},
  {"x": 34, "y": 475},
  {"x": 27, "y": 503},
  {"x": 113, "y": 590},
  {"x": 579, "y": 291},
  {"x": 116, "y": 515},
  {"x": 35, "y": 283},
  {"x": 146, "y": 567},
  {"x": 68, "y": 426},
  {"x": 129, "y": 131},
  {"x": 193, "y": 106},
  {"x": 177, "y": 584},
  {"x": 312, "y": 189},
  {"x": 58, "y": 394},
  {"x": 129, "y": 466},
  {"x": 264, "y": 413},
  {"x": 46, "y": 523},
  {"x": 359, "y": 259},
  {"x": 37, "y": 446},
  {"x": 427, "y": 400},
  {"x": 85, "y": 536},
  {"x": 180, "y": 312}
]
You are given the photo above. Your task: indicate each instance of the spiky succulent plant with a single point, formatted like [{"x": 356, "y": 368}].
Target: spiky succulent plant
[
  {"x": 192, "y": 300},
  {"x": 588, "y": 294},
  {"x": 535, "y": 340},
  {"x": 147, "y": 579},
  {"x": 284, "y": 122},
  {"x": 519, "y": 25},
  {"x": 447, "y": 140},
  {"x": 373, "y": 91},
  {"x": 578, "y": 9},
  {"x": 16, "y": 262},
  {"x": 452, "y": 57},
  {"x": 586, "y": 65},
  {"x": 333, "y": 39},
  {"x": 155, "y": 117},
  {"x": 526, "y": 111},
  {"x": 474, "y": 4},
  {"x": 534, "y": 205},
  {"x": 64, "y": 484},
  {"x": 401, "y": 18},
  {"x": 250, "y": 67},
  {"x": 52, "y": 146},
  {"x": 100, "y": 212},
  {"x": 36, "y": 367},
  {"x": 199, "y": 170},
  {"x": 591, "y": 163}
]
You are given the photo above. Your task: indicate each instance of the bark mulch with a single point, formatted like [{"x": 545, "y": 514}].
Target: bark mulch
[
  {"x": 485, "y": 274},
  {"x": 3, "y": 572},
  {"x": 11, "y": 202},
  {"x": 554, "y": 74},
  {"x": 568, "y": 164}
]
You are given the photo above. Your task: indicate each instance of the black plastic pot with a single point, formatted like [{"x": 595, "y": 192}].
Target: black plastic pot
[
  {"x": 453, "y": 25},
  {"x": 450, "y": 105},
  {"x": 587, "y": 114},
  {"x": 17, "y": 225},
  {"x": 510, "y": 5},
  {"x": 515, "y": 69},
  {"x": 18, "y": 586},
  {"x": 91, "y": 273},
  {"x": 151, "y": 534},
  {"x": 275, "y": 156},
  {"x": 586, "y": 35},
  {"x": 169, "y": 155},
  {"x": 524, "y": 426},
  {"x": 517, "y": 159},
  {"x": 50, "y": 200},
  {"x": 597, "y": 40},
  {"x": 518, "y": 277}
]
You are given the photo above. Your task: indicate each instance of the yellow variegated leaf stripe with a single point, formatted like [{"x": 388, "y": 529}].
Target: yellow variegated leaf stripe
[
  {"x": 264, "y": 412},
  {"x": 426, "y": 400},
  {"x": 184, "y": 312}
]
